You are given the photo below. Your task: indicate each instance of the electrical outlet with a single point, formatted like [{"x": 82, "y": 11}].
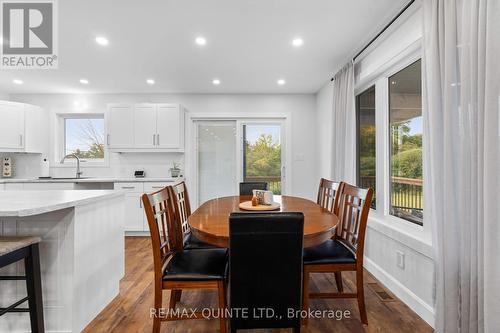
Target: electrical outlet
[{"x": 400, "y": 259}]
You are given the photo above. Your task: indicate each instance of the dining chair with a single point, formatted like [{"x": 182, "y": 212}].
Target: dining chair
[
  {"x": 345, "y": 251},
  {"x": 176, "y": 268},
  {"x": 329, "y": 195},
  {"x": 329, "y": 198},
  {"x": 265, "y": 269},
  {"x": 182, "y": 208},
  {"x": 246, "y": 188}
]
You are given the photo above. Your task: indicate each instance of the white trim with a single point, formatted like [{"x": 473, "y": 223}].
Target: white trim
[{"x": 421, "y": 308}]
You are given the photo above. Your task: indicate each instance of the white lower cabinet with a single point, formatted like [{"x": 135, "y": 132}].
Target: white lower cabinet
[
  {"x": 135, "y": 218},
  {"x": 133, "y": 212}
]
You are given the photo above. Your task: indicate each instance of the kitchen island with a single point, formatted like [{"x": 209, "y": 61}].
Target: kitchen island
[{"x": 81, "y": 254}]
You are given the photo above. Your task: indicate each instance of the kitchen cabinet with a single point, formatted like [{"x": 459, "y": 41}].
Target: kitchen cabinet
[
  {"x": 20, "y": 128},
  {"x": 119, "y": 119},
  {"x": 169, "y": 127},
  {"x": 145, "y": 127}
]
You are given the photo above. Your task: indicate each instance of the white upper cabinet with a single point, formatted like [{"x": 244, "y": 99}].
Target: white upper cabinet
[
  {"x": 20, "y": 128},
  {"x": 145, "y": 126},
  {"x": 150, "y": 128},
  {"x": 169, "y": 126},
  {"x": 119, "y": 120}
]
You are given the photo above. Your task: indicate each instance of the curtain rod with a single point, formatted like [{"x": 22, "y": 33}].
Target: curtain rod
[{"x": 383, "y": 30}]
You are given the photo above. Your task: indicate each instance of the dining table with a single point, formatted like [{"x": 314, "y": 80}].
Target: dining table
[{"x": 210, "y": 222}]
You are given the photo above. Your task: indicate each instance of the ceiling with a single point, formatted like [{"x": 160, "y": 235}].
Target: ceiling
[{"x": 248, "y": 45}]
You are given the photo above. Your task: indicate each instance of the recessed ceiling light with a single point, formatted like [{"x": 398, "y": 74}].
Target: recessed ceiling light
[
  {"x": 17, "y": 81},
  {"x": 84, "y": 81},
  {"x": 297, "y": 42},
  {"x": 281, "y": 82},
  {"x": 200, "y": 40},
  {"x": 216, "y": 82},
  {"x": 102, "y": 40},
  {"x": 150, "y": 81}
]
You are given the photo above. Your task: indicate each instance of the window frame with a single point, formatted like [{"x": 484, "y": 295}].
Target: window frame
[
  {"x": 389, "y": 138},
  {"x": 358, "y": 127},
  {"x": 61, "y": 142},
  {"x": 380, "y": 219}
]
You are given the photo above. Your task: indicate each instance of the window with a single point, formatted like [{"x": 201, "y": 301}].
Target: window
[
  {"x": 365, "y": 106},
  {"x": 84, "y": 137},
  {"x": 405, "y": 143}
]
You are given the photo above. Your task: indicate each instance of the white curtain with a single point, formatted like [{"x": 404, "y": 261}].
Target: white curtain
[
  {"x": 344, "y": 126},
  {"x": 461, "y": 57}
]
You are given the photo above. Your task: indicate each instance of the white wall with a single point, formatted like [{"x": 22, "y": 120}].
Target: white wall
[
  {"x": 301, "y": 108},
  {"x": 413, "y": 284}
]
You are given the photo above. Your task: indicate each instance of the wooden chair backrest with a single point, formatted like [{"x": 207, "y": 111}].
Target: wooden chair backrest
[
  {"x": 353, "y": 212},
  {"x": 160, "y": 215},
  {"x": 182, "y": 212},
  {"x": 329, "y": 195}
]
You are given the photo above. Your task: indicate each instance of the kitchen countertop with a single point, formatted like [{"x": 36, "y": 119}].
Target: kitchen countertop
[
  {"x": 90, "y": 180},
  {"x": 27, "y": 203}
]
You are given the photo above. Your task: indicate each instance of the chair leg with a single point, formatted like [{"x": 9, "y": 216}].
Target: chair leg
[
  {"x": 338, "y": 281},
  {"x": 178, "y": 296},
  {"x": 34, "y": 288},
  {"x": 361, "y": 296},
  {"x": 222, "y": 305},
  {"x": 305, "y": 294},
  {"x": 175, "y": 296},
  {"x": 158, "y": 306}
]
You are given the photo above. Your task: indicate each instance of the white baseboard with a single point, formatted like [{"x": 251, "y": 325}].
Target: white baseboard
[{"x": 424, "y": 310}]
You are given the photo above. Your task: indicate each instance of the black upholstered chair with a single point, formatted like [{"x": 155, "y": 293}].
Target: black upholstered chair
[
  {"x": 265, "y": 268},
  {"x": 345, "y": 251},
  {"x": 246, "y": 188},
  {"x": 176, "y": 268}
]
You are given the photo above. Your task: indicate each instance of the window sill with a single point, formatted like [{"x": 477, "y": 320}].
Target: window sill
[{"x": 411, "y": 236}]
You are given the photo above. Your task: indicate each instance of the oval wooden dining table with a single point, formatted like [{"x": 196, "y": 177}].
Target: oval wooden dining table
[{"x": 210, "y": 222}]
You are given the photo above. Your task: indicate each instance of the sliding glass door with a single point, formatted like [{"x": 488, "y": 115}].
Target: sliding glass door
[
  {"x": 231, "y": 151},
  {"x": 217, "y": 159}
]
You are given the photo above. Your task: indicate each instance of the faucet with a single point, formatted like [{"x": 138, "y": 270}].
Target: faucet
[{"x": 78, "y": 172}]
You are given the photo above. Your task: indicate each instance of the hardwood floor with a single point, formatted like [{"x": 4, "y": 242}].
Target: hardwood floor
[{"x": 129, "y": 312}]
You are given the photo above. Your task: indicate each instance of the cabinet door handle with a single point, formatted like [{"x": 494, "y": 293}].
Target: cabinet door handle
[
  {"x": 140, "y": 202},
  {"x": 20, "y": 140},
  {"x": 157, "y": 186},
  {"x": 128, "y": 187},
  {"x": 107, "y": 139}
]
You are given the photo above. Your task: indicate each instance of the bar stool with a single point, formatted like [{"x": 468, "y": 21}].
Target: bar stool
[{"x": 17, "y": 248}]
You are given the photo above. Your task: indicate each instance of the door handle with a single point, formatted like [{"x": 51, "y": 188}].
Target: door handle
[
  {"x": 140, "y": 202},
  {"x": 20, "y": 140},
  {"x": 107, "y": 139}
]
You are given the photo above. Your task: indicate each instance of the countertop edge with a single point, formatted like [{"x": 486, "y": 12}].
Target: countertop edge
[{"x": 59, "y": 206}]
